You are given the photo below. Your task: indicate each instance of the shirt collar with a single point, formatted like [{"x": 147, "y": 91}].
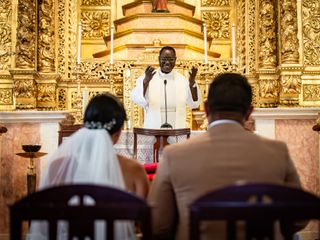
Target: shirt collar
[
  {"x": 222, "y": 121},
  {"x": 165, "y": 74}
]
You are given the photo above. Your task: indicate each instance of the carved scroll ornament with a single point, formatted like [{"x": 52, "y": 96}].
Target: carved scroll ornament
[
  {"x": 46, "y": 43},
  {"x": 5, "y": 33},
  {"x": 95, "y": 24},
  {"x": 217, "y": 23},
  {"x": 289, "y": 31},
  {"x": 46, "y": 94},
  {"x": 268, "y": 91},
  {"x": 24, "y": 88},
  {"x": 215, "y": 3},
  {"x": 311, "y": 31},
  {"x": 267, "y": 35},
  {"x": 290, "y": 89},
  {"x": 25, "y": 34}
]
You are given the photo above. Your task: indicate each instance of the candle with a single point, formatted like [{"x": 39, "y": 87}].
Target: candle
[
  {"x": 85, "y": 97},
  {"x": 79, "y": 43},
  {"x": 205, "y": 43},
  {"x": 129, "y": 124},
  {"x": 111, "y": 44},
  {"x": 233, "y": 44}
]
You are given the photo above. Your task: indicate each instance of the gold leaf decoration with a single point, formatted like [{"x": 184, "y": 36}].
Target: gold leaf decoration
[
  {"x": 95, "y": 24},
  {"x": 311, "y": 31},
  {"x": 311, "y": 92},
  {"x": 215, "y": 3},
  {"x": 46, "y": 43},
  {"x": 6, "y": 96},
  {"x": 267, "y": 34},
  {"x": 289, "y": 30},
  {"x": 25, "y": 34},
  {"x": 217, "y": 24},
  {"x": 5, "y": 33},
  {"x": 290, "y": 84},
  {"x": 95, "y": 3},
  {"x": 24, "y": 88}
]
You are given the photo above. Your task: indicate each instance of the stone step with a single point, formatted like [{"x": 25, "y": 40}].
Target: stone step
[
  {"x": 144, "y": 6},
  {"x": 163, "y": 21},
  {"x": 168, "y": 36},
  {"x": 135, "y": 52}
]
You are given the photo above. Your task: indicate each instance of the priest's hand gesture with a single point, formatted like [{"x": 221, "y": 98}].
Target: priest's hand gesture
[
  {"x": 148, "y": 75},
  {"x": 192, "y": 83}
]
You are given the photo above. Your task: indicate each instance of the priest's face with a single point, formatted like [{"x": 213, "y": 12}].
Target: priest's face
[{"x": 167, "y": 61}]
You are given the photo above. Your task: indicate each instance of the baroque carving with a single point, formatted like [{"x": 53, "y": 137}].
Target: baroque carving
[
  {"x": 290, "y": 84},
  {"x": 96, "y": 71},
  {"x": 25, "y": 47},
  {"x": 25, "y": 92},
  {"x": 251, "y": 37},
  {"x": 241, "y": 33},
  {"x": 311, "y": 31},
  {"x": 290, "y": 89},
  {"x": 24, "y": 88},
  {"x": 267, "y": 35},
  {"x": 46, "y": 97},
  {"x": 96, "y": 3},
  {"x": 217, "y": 23},
  {"x": 255, "y": 94},
  {"x": 268, "y": 92},
  {"x": 95, "y": 24},
  {"x": 70, "y": 57},
  {"x": 61, "y": 43},
  {"x": 62, "y": 99},
  {"x": 5, "y": 33},
  {"x": 311, "y": 92},
  {"x": 289, "y": 31},
  {"x": 46, "y": 41},
  {"x": 215, "y": 3},
  {"x": 6, "y": 96}
]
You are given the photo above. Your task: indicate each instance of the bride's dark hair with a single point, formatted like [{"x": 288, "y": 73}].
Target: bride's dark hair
[{"x": 105, "y": 111}]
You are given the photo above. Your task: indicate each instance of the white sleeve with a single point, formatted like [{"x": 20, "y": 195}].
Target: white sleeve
[
  {"x": 137, "y": 93},
  {"x": 189, "y": 100}
]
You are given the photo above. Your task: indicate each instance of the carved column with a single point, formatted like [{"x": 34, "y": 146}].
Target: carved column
[
  {"x": 26, "y": 35},
  {"x": 247, "y": 42},
  {"x": 24, "y": 84},
  {"x": 290, "y": 76},
  {"x": 24, "y": 88},
  {"x": 268, "y": 78},
  {"x": 47, "y": 82},
  {"x": 46, "y": 91},
  {"x": 46, "y": 37}
]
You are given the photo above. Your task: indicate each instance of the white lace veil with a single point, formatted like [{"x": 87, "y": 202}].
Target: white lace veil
[{"x": 88, "y": 156}]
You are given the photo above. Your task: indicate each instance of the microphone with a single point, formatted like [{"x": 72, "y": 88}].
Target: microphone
[{"x": 166, "y": 124}]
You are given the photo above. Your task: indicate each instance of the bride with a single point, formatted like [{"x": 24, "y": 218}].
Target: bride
[{"x": 88, "y": 157}]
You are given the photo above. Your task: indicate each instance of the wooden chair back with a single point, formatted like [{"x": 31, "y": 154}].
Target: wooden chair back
[
  {"x": 67, "y": 130},
  {"x": 259, "y": 205},
  {"x": 161, "y": 136},
  {"x": 52, "y": 204}
]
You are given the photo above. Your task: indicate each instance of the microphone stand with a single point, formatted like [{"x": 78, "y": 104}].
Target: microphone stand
[{"x": 166, "y": 124}]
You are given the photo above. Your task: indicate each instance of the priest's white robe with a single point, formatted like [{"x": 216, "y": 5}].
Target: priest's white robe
[{"x": 153, "y": 103}]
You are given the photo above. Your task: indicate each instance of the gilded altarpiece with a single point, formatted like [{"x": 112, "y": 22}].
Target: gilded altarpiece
[{"x": 277, "y": 48}]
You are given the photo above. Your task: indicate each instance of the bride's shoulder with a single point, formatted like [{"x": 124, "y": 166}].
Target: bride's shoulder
[{"x": 129, "y": 162}]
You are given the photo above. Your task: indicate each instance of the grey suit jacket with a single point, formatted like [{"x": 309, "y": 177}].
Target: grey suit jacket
[{"x": 224, "y": 155}]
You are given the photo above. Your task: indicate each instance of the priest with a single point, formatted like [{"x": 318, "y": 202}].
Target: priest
[{"x": 164, "y": 93}]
